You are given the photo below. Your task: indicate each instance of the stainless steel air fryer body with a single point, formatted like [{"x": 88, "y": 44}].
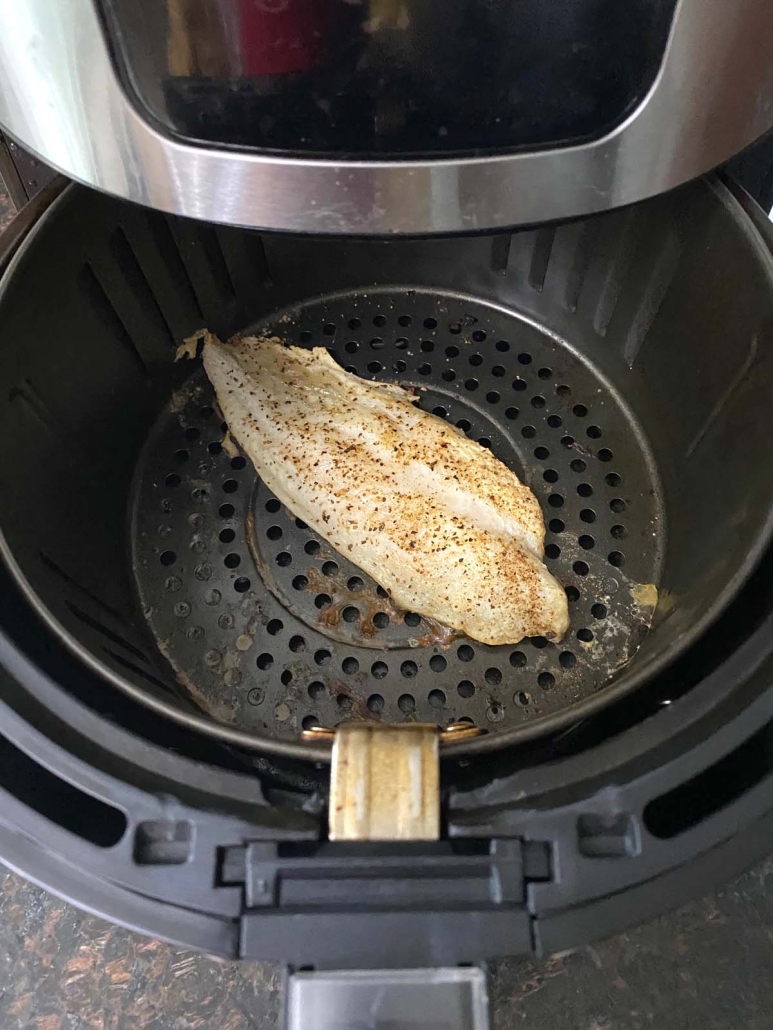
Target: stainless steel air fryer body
[{"x": 381, "y": 117}]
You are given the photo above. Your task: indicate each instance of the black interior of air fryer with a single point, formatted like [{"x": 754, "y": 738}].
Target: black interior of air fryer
[{"x": 667, "y": 303}]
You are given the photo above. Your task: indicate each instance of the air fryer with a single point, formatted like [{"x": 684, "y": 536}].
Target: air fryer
[{"x": 177, "y": 649}]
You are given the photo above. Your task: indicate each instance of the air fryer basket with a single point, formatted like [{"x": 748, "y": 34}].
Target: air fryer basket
[{"x": 621, "y": 364}]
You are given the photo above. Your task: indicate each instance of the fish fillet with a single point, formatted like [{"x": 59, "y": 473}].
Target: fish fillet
[{"x": 433, "y": 517}]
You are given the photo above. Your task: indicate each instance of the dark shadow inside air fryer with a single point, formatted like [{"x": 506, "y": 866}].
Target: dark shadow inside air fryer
[{"x": 621, "y": 363}]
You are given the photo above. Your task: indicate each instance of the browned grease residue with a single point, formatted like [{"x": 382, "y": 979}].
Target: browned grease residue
[{"x": 644, "y": 594}]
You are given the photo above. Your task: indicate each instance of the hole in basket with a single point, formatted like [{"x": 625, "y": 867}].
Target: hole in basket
[
  {"x": 274, "y": 532},
  {"x": 230, "y": 486},
  {"x": 404, "y": 320},
  {"x": 283, "y": 559},
  {"x": 563, "y": 390},
  {"x": 580, "y": 410},
  {"x": 354, "y": 323},
  {"x": 556, "y": 526},
  {"x": 305, "y": 336},
  {"x": 427, "y": 346},
  {"x": 424, "y": 369},
  {"x": 437, "y": 663},
  {"x": 181, "y": 456},
  {"x": 354, "y": 583},
  {"x": 452, "y": 352},
  {"x": 471, "y": 384},
  {"x": 476, "y": 360},
  {"x": 550, "y": 476},
  {"x": 572, "y": 593},
  {"x": 374, "y": 366},
  {"x": 479, "y": 336},
  {"x": 286, "y": 677},
  {"x": 297, "y": 644},
  {"x": 492, "y": 397},
  {"x": 499, "y": 371},
  {"x": 545, "y": 373},
  {"x": 465, "y": 689},
  {"x": 238, "y": 463},
  {"x": 322, "y": 657},
  {"x": 538, "y": 402},
  {"x": 215, "y": 447},
  {"x": 517, "y": 659},
  {"x": 411, "y": 619},
  {"x": 316, "y": 690},
  {"x": 329, "y": 329},
  {"x": 409, "y": 669},
  {"x": 300, "y": 583},
  {"x": 524, "y": 359},
  {"x": 484, "y": 441},
  {"x": 311, "y": 547},
  {"x": 275, "y": 626},
  {"x": 322, "y": 601},
  {"x": 309, "y": 722},
  {"x": 585, "y": 490},
  {"x": 585, "y": 635},
  {"x": 528, "y": 432},
  {"x": 605, "y": 454},
  {"x": 567, "y": 660},
  {"x": 593, "y": 432},
  {"x": 192, "y": 433},
  {"x": 511, "y": 413},
  {"x": 406, "y": 703},
  {"x": 586, "y": 542},
  {"x": 375, "y": 704},
  {"x": 440, "y": 411},
  {"x": 556, "y": 501},
  {"x": 381, "y": 620},
  {"x": 350, "y": 614},
  {"x": 580, "y": 568},
  {"x": 232, "y": 560},
  {"x": 464, "y": 425},
  {"x": 493, "y": 677},
  {"x": 546, "y": 680},
  {"x": 351, "y": 347},
  {"x": 577, "y": 465},
  {"x": 350, "y": 665},
  {"x": 436, "y": 698},
  {"x": 379, "y": 670},
  {"x": 554, "y": 421},
  {"x": 539, "y": 642},
  {"x": 619, "y": 532},
  {"x": 521, "y": 698},
  {"x": 265, "y": 660},
  {"x": 430, "y": 323},
  {"x": 599, "y": 611},
  {"x": 519, "y": 385},
  {"x": 272, "y": 506},
  {"x": 448, "y": 375},
  {"x": 541, "y": 453},
  {"x": 381, "y": 592},
  {"x": 167, "y": 558},
  {"x": 241, "y": 585},
  {"x": 588, "y": 515},
  {"x": 618, "y": 505},
  {"x": 465, "y": 653},
  {"x": 172, "y": 479},
  {"x": 329, "y": 568},
  {"x": 616, "y": 558},
  {"x": 613, "y": 479},
  {"x": 567, "y": 441}
]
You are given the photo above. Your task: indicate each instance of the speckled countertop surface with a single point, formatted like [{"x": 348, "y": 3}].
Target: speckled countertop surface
[{"x": 707, "y": 966}]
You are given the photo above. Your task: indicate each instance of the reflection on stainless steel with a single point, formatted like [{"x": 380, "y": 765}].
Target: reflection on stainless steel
[{"x": 60, "y": 96}]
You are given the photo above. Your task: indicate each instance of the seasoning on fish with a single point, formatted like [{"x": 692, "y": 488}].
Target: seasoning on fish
[{"x": 439, "y": 522}]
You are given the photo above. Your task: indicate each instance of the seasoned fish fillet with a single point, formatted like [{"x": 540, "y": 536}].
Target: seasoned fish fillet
[{"x": 433, "y": 517}]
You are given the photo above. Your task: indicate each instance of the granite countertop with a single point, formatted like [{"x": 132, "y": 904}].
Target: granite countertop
[{"x": 707, "y": 967}]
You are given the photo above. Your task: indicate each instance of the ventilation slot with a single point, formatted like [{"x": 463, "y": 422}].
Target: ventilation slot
[
  {"x": 51, "y": 565},
  {"x": 140, "y": 672},
  {"x": 99, "y": 302},
  {"x": 712, "y": 790},
  {"x": 126, "y": 260},
  {"x": 65, "y": 805},
  {"x": 87, "y": 620}
]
